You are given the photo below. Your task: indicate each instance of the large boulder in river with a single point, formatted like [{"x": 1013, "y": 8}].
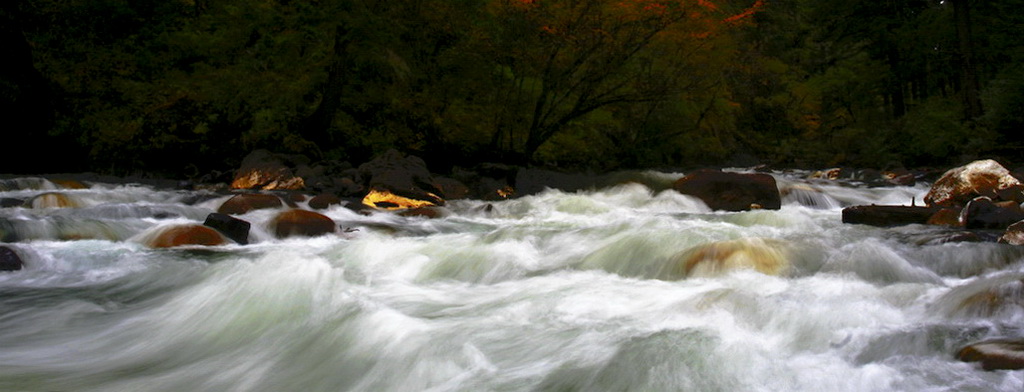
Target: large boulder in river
[
  {"x": 53, "y": 200},
  {"x": 769, "y": 257},
  {"x": 1004, "y": 354},
  {"x": 1014, "y": 234},
  {"x": 983, "y": 213},
  {"x": 234, "y": 228},
  {"x": 301, "y": 223},
  {"x": 184, "y": 234},
  {"x": 398, "y": 181},
  {"x": 245, "y": 202},
  {"x": 265, "y": 170},
  {"x": 9, "y": 259},
  {"x": 731, "y": 191},
  {"x": 979, "y": 178}
]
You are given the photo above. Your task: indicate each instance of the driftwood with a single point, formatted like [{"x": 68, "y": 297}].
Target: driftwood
[{"x": 886, "y": 216}]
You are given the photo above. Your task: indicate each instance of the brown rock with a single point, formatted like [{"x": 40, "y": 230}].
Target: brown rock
[
  {"x": 731, "y": 191},
  {"x": 995, "y": 354},
  {"x": 302, "y": 223},
  {"x": 324, "y": 201},
  {"x": 69, "y": 184},
  {"x": 945, "y": 217},
  {"x": 765, "y": 256},
  {"x": 187, "y": 234},
  {"x": 245, "y": 202},
  {"x": 264, "y": 170},
  {"x": 1014, "y": 234},
  {"x": 979, "y": 178},
  {"x": 425, "y": 212},
  {"x": 886, "y": 216},
  {"x": 53, "y": 200}
]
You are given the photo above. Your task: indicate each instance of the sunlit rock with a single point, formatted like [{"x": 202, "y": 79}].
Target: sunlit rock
[
  {"x": 234, "y": 228},
  {"x": 1014, "y": 234},
  {"x": 766, "y": 256},
  {"x": 184, "y": 234},
  {"x": 731, "y": 191},
  {"x": 53, "y": 200},
  {"x": 979, "y": 178},
  {"x": 264, "y": 170},
  {"x": 242, "y": 203},
  {"x": 995, "y": 354},
  {"x": 301, "y": 223},
  {"x": 9, "y": 259},
  {"x": 383, "y": 199}
]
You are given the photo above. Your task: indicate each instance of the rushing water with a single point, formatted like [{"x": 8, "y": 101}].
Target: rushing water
[{"x": 581, "y": 291}]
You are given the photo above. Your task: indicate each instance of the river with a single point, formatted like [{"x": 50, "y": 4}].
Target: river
[{"x": 557, "y": 291}]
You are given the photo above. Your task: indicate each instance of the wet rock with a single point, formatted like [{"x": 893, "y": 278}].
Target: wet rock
[
  {"x": 9, "y": 259},
  {"x": 302, "y": 223},
  {"x": 887, "y": 216},
  {"x": 425, "y": 212},
  {"x": 1014, "y": 234},
  {"x": 827, "y": 174},
  {"x": 995, "y": 354},
  {"x": 186, "y": 234},
  {"x": 398, "y": 181},
  {"x": 324, "y": 201},
  {"x": 264, "y": 170},
  {"x": 69, "y": 184},
  {"x": 7, "y": 202},
  {"x": 979, "y": 178},
  {"x": 453, "y": 189},
  {"x": 765, "y": 256},
  {"x": 945, "y": 217},
  {"x": 53, "y": 200},
  {"x": 983, "y": 213},
  {"x": 984, "y": 298},
  {"x": 235, "y": 229},
  {"x": 245, "y": 202},
  {"x": 731, "y": 191}
]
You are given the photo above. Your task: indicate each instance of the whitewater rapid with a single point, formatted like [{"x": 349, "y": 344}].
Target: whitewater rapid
[{"x": 558, "y": 291}]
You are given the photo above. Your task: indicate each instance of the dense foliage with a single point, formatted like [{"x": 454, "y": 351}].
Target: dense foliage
[{"x": 181, "y": 87}]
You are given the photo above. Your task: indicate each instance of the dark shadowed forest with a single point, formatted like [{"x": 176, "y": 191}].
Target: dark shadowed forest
[{"x": 182, "y": 87}]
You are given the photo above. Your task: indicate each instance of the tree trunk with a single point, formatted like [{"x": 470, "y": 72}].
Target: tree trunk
[{"x": 968, "y": 72}]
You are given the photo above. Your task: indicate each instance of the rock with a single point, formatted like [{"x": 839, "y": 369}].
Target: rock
[
  {"x": 405, "y": 177},
  {"x": 185, "y": 234},
  {"x": 235, "y": 229},
  {"x": 453, "y": 189},
  {"x": 899, "y": 177},
  {"x": 245, "y": 202},
  {"x": 324, "y": 201},
  {"x": 989, "y": 297},
  {"x": 995, "y": 354},
  {"x": 886, "y": 216},
  {"x": 264, "y": 170},
  {"x": 69, "y": 184},
  {"x": 731, "y": 191},
  {"x": 765, "y": 256},
  {"x": 302, "y": 223},
  {"x": 979, "y": 178},
  {"x": 386, "y": 200},
  {"x": 945, "y": 217},
  {"x": 983, "y": 213},
  {"x": 53, "y": 200},
  {"x": 425, "y": 212},
  {"x": 9, "y": 259},
  {"x": 827, "y": 174},
  {"x": 1014, "y": 234},
  {"x": 7, "y": 202}
]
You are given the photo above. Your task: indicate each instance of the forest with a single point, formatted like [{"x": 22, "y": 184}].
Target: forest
[{"x": 182, "y": 87}]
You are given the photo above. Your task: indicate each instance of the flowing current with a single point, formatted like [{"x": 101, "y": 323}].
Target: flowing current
[{"x": 558, "y": 291}]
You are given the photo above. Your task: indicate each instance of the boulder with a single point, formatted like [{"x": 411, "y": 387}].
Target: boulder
[
  {"x": 324, "y": 201},
  {"x": 887, "y": 216},
  {"x": 945, "y": 217},
  {"x": 53, "y": 200},
  {"x": 184, "y": 234},
  {"x": 1014, "y": 234},
  {"x": 960, "y": 185},
  {"x": 235, "y": 229},
  {"x": 385, "y": 200},
  {"x": 983, "y": 213},
  {"x": 731, "y": 191},
  {"x": 9, "y": 259},
  {"x": 265, "y": 170},
  {"x": 1000, "y": 354},
  {"x": 766, "y": 256},
  {"x": 69, "y": 184},
  {"x": 245, "y": 202},
  {"x": 301, "y": 223},
  {"x": 404, "y": 177},
  {"x": 425, "y": 212},
  {"x": 827, "y": 174}
]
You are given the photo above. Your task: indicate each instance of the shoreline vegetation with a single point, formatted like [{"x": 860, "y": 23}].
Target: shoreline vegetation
[{"x": 183, "y": 89}]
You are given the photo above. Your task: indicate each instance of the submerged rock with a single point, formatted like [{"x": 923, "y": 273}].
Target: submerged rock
[
  {"x": 979, "y": 178},
  {"x": 731, "y": 191},
  {"x": 186, "y": 234},
  {"x": 995, "y": 354},
  {"x": 9, "y": 259},
  {"x": 242, "y": 203},
  {"x": 302, "y": 223},
  {"x": 765, "y": 256},
  {"x": 53, "y": 200}
]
